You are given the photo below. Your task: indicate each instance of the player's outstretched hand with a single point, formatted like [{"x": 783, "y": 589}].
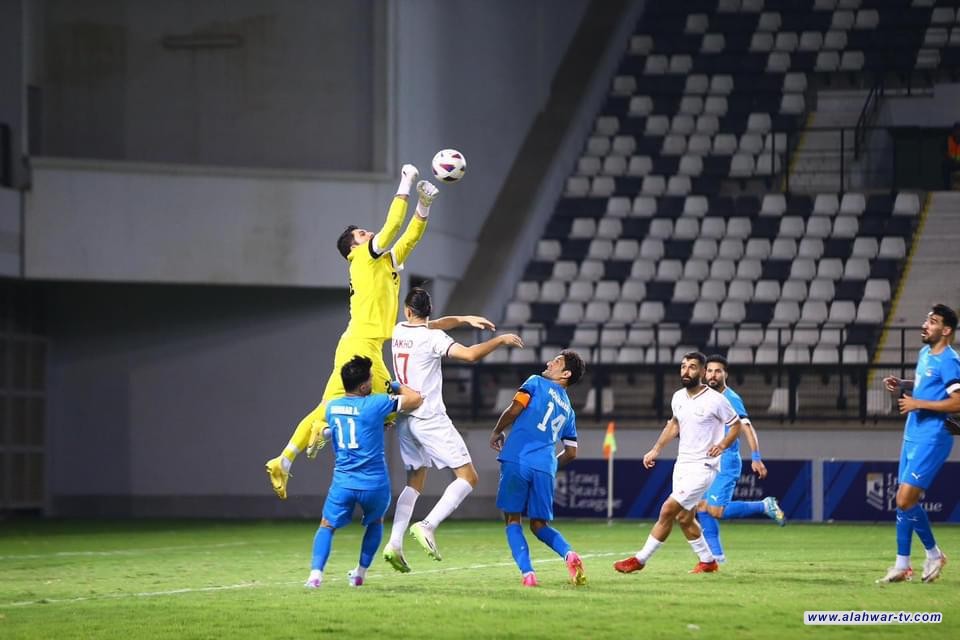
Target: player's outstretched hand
[
  {"x": 511, "y": 340},
  {"x": 759, "y": 468},
  {"x": 714, "y": 451},
  {"x": 427, "y": 191},
  {"x": 650, "y": 458},
  {"x": 496, "y": 441},
  {"x": 479, "y": 322},
  {"x": 891, "y": 383}
]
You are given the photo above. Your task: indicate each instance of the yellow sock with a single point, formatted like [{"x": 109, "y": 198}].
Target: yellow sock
[{"x": 301, "y": 437}]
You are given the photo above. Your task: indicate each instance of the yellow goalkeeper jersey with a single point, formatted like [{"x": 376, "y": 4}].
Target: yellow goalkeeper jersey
[{"x": 375, "y": 282}]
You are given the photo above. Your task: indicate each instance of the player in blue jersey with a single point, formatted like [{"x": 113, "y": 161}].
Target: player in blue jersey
[
  {"x": 360, "y": 468},
  {"x": 541, "y": 415},
  {"x": 719, "y": 503},
  {"x": 934, "y": 393}
]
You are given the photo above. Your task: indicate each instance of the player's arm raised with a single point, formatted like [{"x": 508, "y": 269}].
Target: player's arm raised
[
  {"x": 670, "y": 431},
  {"x": 447, "y": 323},
  {"x": 417, "y": 225},
  {"x": 397, "y": 211},
  {"x": 509, "y": 415},
  {"x": 479, "y": 351}
]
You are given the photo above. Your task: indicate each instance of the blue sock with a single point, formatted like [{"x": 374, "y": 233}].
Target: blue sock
[
  {"x": 321, "y": 548},
  {"x": 711, "y": 531},
  {"x": 371, "y": 542},
  {"x": 904, "y": 533},
  {"x": 554, "y": 539},
  {"x": 519, "y": 548},
  {"x": 741, "y": 509},
  {"x": 921, "y": 524}
]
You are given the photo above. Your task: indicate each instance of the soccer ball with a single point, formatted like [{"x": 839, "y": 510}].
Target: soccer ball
[{"x": 449, "y": 165}]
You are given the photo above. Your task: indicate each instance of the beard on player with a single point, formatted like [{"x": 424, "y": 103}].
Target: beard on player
[{"x": 689, "y": 382}]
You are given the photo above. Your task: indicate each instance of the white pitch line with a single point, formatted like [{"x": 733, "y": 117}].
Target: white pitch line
[
  {"x": 118, "y": 552},
  {"x": 251, "y": 585}
]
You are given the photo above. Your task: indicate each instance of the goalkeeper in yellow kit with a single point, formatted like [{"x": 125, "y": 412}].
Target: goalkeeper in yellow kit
[{"x": 374, "y": 303}]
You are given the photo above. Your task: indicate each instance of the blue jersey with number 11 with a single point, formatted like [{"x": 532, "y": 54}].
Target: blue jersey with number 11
[
  {"x": 356, "y": 424},
  {"x": 548, "y": 418}
]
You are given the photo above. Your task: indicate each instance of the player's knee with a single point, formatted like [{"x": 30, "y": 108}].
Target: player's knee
[
  {"x": 513, "y": 518},
  {"x": 468, "y": 473},
  {"x": 906, "y": 500},
  {"x": 326, "y": 524},
  {"x": 715, "y": 511},
  {"x": 685, "y": 517},
  {"x": 536, "y": 525}
]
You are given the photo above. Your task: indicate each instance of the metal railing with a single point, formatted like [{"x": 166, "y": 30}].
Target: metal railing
[{"x": 780, "y": 390}]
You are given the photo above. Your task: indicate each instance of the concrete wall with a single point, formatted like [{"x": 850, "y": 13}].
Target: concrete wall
[
  {"x": 11, "y": 116},
  {"x": 291, "y": 86},
  {"x": 179, "y": 224},
  {"x": 938, "y": 110}
]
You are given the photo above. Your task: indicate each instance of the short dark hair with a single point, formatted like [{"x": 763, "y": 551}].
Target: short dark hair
[
  {"x": 949, "y": 315},
  {"x": 355, "y": 372},
  {"x": 695, "y": 355},
  {"x": 716, "y": 357},
  {"x": 418, "y": 299},
  {"x": 573, "y": 363},
  {"x": 345, "y": 241}
]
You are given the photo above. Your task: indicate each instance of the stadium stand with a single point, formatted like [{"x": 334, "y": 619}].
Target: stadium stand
[{"x": 659, "y": 244}]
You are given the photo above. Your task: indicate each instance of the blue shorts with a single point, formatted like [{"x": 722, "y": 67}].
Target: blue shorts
[
  {"x": 340, "y": 502},
  {"x": 720, "y": 493},
  {"x": 525, "y": 491},
  {"x": 921, "y": 461}
]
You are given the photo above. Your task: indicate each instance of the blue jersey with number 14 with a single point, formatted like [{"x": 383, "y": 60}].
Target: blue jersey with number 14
[
  {"x": 547, "y": 419},
  {"x": 356, "y": 423}
]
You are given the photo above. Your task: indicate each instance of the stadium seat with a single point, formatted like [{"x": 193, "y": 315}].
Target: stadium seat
[
  {"x": 606, "y": 401},
  {"x": 779, "y": 402}
]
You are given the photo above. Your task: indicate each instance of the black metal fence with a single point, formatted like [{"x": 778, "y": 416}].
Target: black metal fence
[{"x": 781, "y": 390}]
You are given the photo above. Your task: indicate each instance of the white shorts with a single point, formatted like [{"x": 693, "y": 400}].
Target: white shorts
[
  {"x": 691, "y": 480},
  {"x": 432, "y": 441}
]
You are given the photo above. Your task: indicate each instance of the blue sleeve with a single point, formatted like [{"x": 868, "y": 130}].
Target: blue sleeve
[
  {"x": 530, "y": 385},
  {"x": 737, "y": 403},
  {"x": 384, "y": 404},
  {"x": 950, "y": 373}
]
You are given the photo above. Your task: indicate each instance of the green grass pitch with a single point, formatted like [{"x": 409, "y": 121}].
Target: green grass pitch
[{"x": 188, "y": 579}]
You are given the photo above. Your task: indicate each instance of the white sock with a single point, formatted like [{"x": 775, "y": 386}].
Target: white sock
[
  {"x": 702, "y": 549},
  {"x": 285, "y": 462},
  {"x": 361, "y": 572},
  {"x": 401, "y": 516},
  {"x": 934, "y": 553},
  {"x": 423, "y": 210},
  {"x": 454, "y": 494},
  {"x": 903, "y": 562},
  {"x": 316, "y": 574},
  {"x": 649, "y": 548}
]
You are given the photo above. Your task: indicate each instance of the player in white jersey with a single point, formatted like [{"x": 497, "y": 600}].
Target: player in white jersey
[
  {"x": 700, "y": 416},
  {"x": 427, "y": 436}
]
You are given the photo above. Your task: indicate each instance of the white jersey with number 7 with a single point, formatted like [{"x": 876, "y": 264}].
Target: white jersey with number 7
[{"x": 416, "y": 354}]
